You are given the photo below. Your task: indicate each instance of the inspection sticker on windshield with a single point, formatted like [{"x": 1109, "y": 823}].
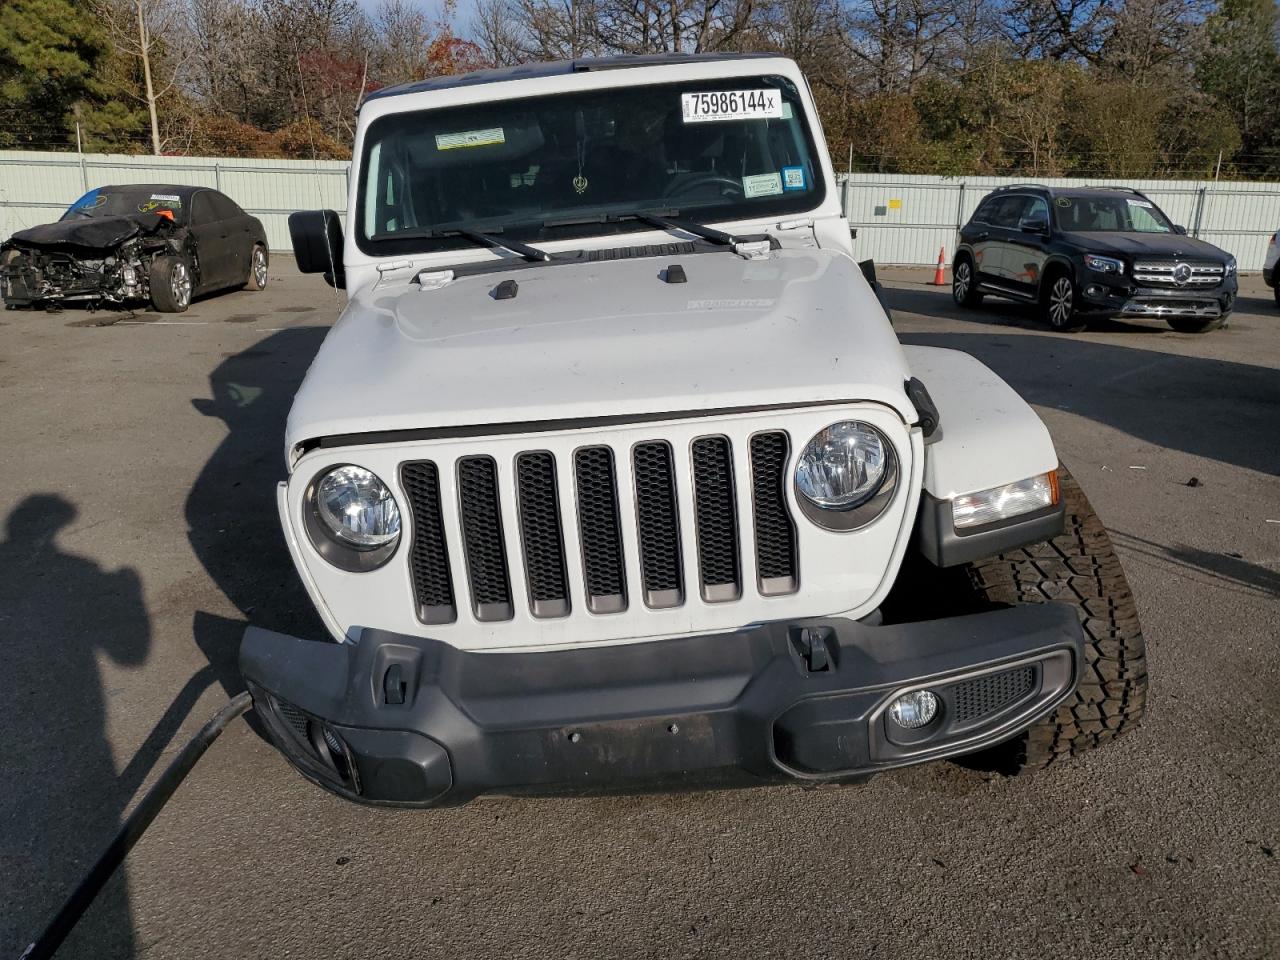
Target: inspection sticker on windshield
[
  {"x": 762, "y": 185},
  {"x": 731, "y": 105},
  {"x": 470, "y": 138}
]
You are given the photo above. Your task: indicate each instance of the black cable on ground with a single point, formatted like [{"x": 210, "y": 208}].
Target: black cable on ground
[{"x": 133, "y": 827}]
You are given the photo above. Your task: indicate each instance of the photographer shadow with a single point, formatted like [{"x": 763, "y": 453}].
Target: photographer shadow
[{"x": 53, "y": 710}]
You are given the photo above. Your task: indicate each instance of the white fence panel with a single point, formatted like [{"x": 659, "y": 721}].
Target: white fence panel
[
  {"x": 38, "y": 187},
  {"x": 900, "y": 218},
  {"x": 908, "y": 219}
]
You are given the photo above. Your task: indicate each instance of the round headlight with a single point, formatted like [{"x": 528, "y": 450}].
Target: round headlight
[
  {"x": 843, "y": 466},
  {"x": 357, "y": 508}
]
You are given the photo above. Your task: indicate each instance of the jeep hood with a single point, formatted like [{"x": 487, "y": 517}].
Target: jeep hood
[
  {"x": 1171, "y": 246},
  {"x": 602, "y": 338}
]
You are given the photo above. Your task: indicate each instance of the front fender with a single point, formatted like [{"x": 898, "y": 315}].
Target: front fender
[{"x": 989, "y": 436}]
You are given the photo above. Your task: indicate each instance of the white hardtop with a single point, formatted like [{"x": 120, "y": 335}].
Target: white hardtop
[{"x": 826, "y": 218}]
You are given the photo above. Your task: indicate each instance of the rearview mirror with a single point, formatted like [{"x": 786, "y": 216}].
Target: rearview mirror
[
  {"x": 1034, "y": 226},
  {"x": 317, "y": 244},
  {"x": 1180, "y": 229}
]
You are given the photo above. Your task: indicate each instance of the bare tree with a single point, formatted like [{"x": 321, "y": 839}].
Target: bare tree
[{"x": 146, "y": 29}]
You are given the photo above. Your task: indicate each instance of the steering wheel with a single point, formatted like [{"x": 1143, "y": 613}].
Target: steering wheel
[{"x": 680, "y": 187}]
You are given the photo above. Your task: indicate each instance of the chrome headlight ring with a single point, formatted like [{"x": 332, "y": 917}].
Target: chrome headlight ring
[
  {"x": 863, "y": 506},
  {"x": 368, "y": 531}
]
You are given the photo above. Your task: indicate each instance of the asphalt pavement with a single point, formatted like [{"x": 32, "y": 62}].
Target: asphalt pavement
[{"x": 137, "y": 472}]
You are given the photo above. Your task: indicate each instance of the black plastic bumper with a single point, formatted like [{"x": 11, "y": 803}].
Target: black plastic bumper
[{"x": 415, "y": 722}]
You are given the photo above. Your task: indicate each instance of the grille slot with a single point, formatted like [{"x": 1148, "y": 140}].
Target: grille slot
[
  {"x": 776, "y": 561},
  {"x": 658, "y": 524},
  {"x": 601, "y": 536},
  {"x": 482, "y": 538},
  {"x": 429, "y": 554},
  {"x": 715, "y": 515},
  {"x": 542, "y": 537},
  {"x": 975, "y": 699}
]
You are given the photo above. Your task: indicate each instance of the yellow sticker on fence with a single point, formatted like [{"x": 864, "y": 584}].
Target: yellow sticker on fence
[
  {"x": 470, "y": 138},
  {"x": 895, "y": 204}
]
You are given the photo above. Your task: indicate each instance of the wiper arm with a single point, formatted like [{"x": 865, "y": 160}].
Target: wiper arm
[
  {"x": 662, "y": 219},
  {"x": 488, "y": 239}
]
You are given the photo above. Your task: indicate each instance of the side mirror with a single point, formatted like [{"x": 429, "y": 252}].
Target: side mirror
[
  {"x": 1180, "y": 229},
  {"x": 1034, "y": 226},
  {"x": 317, "y": 244}
]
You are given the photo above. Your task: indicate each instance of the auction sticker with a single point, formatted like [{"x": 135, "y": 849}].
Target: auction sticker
[
  {"x": 761, "y": 185},
  {"x": 731, "y": 105},
  {"x": 470, "y": 138},
  {"x": 793, "y": 178}
]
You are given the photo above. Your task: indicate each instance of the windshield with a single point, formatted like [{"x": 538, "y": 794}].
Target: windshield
[
  {"x": 710, "y": 150},
  {"x": 122, "y": 203},
  {"x": 1090, "y": 213}
]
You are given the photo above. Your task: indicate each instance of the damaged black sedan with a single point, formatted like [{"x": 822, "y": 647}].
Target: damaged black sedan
[{"x": 136, "y": 242}]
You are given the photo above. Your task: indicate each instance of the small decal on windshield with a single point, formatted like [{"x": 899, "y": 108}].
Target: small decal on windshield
[
  {"x": 731, "y": 105},
  {"x": 176, "y": 201},
  {"x": 470, "y": 138},
  {"x": 1063, "y": 201},
  {"x": 155, "y": 204},
  {"x": 761, "y": 185},
  {"x": 793, "y": 178}
]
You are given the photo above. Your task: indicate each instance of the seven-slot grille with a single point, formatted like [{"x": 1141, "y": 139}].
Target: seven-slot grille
[
  {"x": 1175, "y": 273},
  {"x": 545, "y": 550}
]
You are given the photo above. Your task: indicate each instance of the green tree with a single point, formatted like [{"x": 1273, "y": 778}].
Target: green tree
[
  {"x": 49, "y": 51},
  {"x": 1240, "y": 69}
]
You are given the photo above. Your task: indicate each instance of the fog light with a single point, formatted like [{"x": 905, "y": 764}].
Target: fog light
[{"x": 914, "y": 710}]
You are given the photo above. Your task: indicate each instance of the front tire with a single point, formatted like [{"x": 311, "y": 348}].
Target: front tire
[
  {"x": 964, "y": 284},
  {"x": 171, "y": 284},
  {"x": 1079, "y": 567},
  {"x": 1059, "y": 304}
]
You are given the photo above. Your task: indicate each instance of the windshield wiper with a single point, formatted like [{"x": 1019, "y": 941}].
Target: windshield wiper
[
  {"x": 487, "y": 239},
  {"x": 662, "y": 219}
]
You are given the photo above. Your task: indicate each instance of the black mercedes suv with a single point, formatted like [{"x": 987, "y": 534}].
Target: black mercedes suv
[{"x": 1083, "y": 252}]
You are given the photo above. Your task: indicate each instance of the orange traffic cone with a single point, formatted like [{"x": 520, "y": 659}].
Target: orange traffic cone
[{"x": 939, "y": 275}]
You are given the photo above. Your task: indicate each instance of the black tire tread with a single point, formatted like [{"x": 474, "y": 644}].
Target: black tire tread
[{"x": 1079, "y": 567}]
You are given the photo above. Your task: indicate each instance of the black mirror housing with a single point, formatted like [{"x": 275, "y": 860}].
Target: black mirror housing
[
  {"x": 317, "y": 244},
  {"x": 1180, "y": 229}
]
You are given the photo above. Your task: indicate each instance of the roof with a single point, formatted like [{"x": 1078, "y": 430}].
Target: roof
[
  {"x": 179, "y": 190},
  {"x": 528, "y": 71}
]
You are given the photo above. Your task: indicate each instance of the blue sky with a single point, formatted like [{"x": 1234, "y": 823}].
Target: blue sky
[{"x": 433, "y": 8}]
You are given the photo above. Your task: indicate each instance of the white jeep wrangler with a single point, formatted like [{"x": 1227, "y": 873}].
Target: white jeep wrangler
[{"x": 613, "y": 475}]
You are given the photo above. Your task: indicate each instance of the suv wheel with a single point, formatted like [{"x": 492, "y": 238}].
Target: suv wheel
[
  {"x": 964, "y": 284},
  {"x": 1080, "y": 568},
  {"x": 1058, "y": 304}
]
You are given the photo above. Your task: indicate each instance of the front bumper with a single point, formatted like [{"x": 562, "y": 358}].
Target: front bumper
[
  {"x": 1122, "y": 298},
  {"x": 407, "y": 721}
]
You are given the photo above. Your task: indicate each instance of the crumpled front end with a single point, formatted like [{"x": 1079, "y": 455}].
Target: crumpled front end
[{"x": 30, "y": 275}]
